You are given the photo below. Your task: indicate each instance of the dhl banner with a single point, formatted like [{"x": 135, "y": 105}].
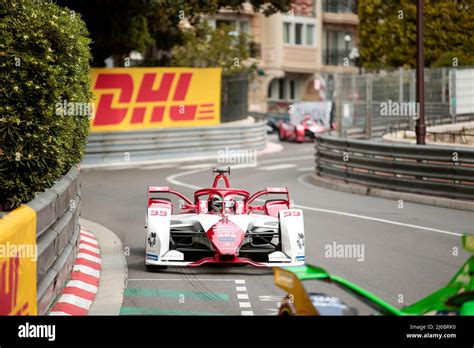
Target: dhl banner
[
  {"x": 145, "y": 98},
  {"x": 18, "y": 255}
]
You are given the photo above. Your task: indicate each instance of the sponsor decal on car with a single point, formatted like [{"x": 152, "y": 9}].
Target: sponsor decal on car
[{"x": 153, "y": 257}]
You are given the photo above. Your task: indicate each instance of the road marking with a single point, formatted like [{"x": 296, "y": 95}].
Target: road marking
[
  {"x": 198, "y": 166},
  {"x": 278, "y": 166},
  {"x": 182, "y": 279},
  {"x": 306, "y": 169},
  {"x": 160, "y": 166},
  {"x": 242, "y": 294},
  {"x": 159, "y": 311},
  {"x": 178, "y": 294},
  {"x": 172, "y": 178},
  {"x": 370, "y": 218},
  {"x": 271, "y": 298}
]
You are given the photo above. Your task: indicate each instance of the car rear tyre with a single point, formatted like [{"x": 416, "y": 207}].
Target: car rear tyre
[{"x": 155, "y": 268}]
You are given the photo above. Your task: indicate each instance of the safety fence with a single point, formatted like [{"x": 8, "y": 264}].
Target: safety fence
[
  {"x": 428, "y": 170},
  {"x": 121, "y": 147},
  {"x": 42, "y": 239},
  {"x": 369, "y": 104}
]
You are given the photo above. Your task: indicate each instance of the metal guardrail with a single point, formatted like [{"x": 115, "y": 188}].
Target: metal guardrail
[
  {"x": 430, "y": 170},
  {"x": 173, "y": 143},
  {"x": 57, "y": 236},
  {"x": 379, "y": 130}
]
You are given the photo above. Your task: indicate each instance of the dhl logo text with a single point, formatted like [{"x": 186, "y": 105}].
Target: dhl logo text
[
  {"x": 138, "y": 98},
  {"x": 9, "y": 279}
]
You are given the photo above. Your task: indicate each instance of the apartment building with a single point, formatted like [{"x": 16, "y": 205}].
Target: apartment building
[{"x": 298, "y": 52}]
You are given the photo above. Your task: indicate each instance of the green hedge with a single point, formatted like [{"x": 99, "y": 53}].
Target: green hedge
[{"x": 44, "y": 60}]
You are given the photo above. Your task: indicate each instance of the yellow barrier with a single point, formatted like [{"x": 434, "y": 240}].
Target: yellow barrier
[
  {"x": 18, "y": 255},
  {"x": 145, "y": 98}
]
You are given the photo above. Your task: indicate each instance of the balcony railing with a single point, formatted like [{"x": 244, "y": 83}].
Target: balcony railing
[
  {"x": 340, "y": 6},
  {"x": 336, "y": 57}
]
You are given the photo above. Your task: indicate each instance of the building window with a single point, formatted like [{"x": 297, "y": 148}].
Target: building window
[
  {"x": 242, "y": 26},
  {"x": 284, "y": 89},
  {"x": 310, "y": 34},
  {"x": 286, "y": 32},
  {"x": 300, "y": 31}
]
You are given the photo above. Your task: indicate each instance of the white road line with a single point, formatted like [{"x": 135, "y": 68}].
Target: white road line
[
  {"x": 247, "y": 312},
  {"x": 306, "y": 169},
  {"x": 75, "y": 300},
  {"x": 198, "y": 166},
  {"x": 87, "y": 270},
  {"x": 369, "y": 218},
  {"x": 271, "y": 298},
  {"x": 278, "y": 166},
  {"x": 160, "y": 166},
  {"x": 240, "y": 281},
  {"x": 241, "y": 288},
  {"x": 242, "y": 296},
  {"x": 181, "y": 279},
  {"x": 245, "y": 305},
  {"x": 172, "y": 178},
  {"x": 82, "y": 285}
]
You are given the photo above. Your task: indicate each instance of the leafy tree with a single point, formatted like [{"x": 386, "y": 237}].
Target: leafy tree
[
  {"x": 151, "y": 26},
  {"x": 387, "y": 32},
  {"x": 207, "y": 47},
  {"x": 44, "y": 60}
]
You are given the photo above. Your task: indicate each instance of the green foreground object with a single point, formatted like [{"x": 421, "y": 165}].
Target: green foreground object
[{"x": 457, "y": 297}]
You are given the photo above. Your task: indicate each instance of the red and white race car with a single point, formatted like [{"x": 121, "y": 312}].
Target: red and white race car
[
  {"x": 223, "y": 225},
  {"x": 304, "y": 131}
]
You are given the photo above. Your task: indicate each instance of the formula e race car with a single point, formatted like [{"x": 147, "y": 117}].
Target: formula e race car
[
  {"x": 223, "y": 225},
  {"x": 313, "y": 291},
  {"x": 306, "y": 130}
]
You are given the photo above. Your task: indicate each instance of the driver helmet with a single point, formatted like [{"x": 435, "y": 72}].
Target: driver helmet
[{"x": 216, "y": 203}]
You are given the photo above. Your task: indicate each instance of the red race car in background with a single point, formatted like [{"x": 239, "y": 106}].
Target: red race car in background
[{"x": 306, "y": 130}]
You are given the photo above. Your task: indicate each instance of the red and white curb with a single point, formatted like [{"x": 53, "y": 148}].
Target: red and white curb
[{"x": 79, "y": 293}]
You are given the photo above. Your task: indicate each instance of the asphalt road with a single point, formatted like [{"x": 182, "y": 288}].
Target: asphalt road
[{"x": 408, "y": 251}]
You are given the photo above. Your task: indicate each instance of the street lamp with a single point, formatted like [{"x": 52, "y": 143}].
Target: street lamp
[{"x": 420, "y": 128}]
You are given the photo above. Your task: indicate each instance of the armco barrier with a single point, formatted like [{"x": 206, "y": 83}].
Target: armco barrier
[
  {"x": 57, "y": 235},
  {"x": 173, "y": 143},
  {"x": 429, "y": 170}
]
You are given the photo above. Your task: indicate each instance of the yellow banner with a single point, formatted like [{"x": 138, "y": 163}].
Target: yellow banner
[
  {"x": 18, "y": 254},
  {"x": 145, "y": 98}
]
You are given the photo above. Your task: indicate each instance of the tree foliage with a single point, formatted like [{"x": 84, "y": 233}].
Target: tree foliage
[
  {"x": 44, "y": 60},
  {"x": 387, "y": 32},
  {"x": 120, "y": 26},
  {"x": 207, "y": 47}
]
